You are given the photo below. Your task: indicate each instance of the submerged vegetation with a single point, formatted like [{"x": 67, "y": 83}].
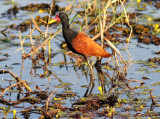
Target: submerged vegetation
[{"x": 109, "y": 92}]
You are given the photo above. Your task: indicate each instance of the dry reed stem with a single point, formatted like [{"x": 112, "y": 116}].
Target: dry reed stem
[
  {"x": 69, "y": 7},
  {"x": 153, "y": 101},
  {"x": 48, "y": 99},
  {"x": 115, "y": 49},
  {"x": 126, "y": 16},
  {"x": 8, "y": 89},
  {"x": 17, "y": 78},
  {"x": 21, "y": 42},
  {"x": 36, "y": 26},
  {"x": 127, "y": 84},
  {"x": 44, "y": 42},
  {"x": 32, "y": 46}
]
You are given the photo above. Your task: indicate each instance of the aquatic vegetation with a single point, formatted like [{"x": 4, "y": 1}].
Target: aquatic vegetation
[{"x": 48, "y": 80}]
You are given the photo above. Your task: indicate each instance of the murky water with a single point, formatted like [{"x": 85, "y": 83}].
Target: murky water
[{"x": 76, "y": 78}]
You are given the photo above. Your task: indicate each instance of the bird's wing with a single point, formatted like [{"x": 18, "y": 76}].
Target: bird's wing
[{"x": 85, "y": 45}]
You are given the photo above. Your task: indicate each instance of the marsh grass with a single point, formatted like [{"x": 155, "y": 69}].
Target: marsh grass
[
  {"x": 99, "y": 12},
  {"x": 104, "y": 17}
]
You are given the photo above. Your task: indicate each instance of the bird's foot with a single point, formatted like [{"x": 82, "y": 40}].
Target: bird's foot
[
  {"x": 69, "y": 52},
  {"x": 79, "y": 61}
]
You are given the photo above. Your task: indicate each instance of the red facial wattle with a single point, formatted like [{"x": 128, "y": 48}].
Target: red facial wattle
[{"x": 57, "y": 18}]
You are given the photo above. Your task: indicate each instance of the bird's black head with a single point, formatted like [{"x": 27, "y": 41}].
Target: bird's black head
[
  {"x": 63, "y": 16},
  {"x": 64, "y": 20}
]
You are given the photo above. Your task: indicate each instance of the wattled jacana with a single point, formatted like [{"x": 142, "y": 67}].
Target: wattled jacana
[{"x": 78, "y": 42}]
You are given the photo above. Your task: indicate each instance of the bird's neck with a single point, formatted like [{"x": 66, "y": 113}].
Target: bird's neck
[
  {"x": 65, "y": 25},
  {"x": 68, "y": 34}
]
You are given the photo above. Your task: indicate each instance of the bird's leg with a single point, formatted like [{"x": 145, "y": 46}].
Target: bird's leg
[
  {"x": 98, "y": 64},
  {"x": 90, "y": 67},
  {"x": 69, "y": 52},
  {"x": 80, "y": 59}
]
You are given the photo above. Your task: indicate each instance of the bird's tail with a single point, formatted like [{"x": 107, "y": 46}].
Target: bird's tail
[{"x": 106, "y": 54}]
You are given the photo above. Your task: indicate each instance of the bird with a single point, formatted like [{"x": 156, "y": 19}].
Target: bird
[{"x": 79, "y": 42}]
